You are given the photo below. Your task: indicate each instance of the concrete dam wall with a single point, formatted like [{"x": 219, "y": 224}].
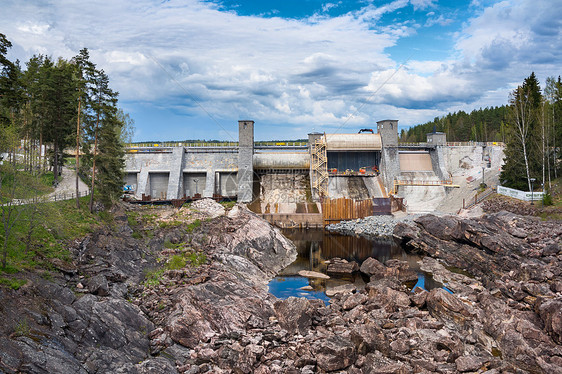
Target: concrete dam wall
[{"x": 356, "y": 166}]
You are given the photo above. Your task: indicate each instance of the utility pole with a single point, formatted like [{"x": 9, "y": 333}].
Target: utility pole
[{"x": 78, "y": 150}]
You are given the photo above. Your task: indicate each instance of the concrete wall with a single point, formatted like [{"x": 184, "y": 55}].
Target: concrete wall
[
  {"x": 245, "y": 161},
  {"x": 281, "y": 160},
  {"x": 438, "y": 162},
  {"x": 390, "y": 166},
  {"x": 177, "y": 162}
]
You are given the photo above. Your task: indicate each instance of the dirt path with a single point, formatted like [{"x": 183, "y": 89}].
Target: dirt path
[{"x": 67, "y": 185}]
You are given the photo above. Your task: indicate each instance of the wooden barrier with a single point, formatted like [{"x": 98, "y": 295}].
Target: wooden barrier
[{"x": 336, "y": 210}]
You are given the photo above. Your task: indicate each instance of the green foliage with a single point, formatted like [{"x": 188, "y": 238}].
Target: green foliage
[
  {"x": 168, "y": 224},
  {"x": 153, "y": 277},
  {"x": 193, "y": 226},
  {"x": 176, "y": 262},
  {"x": 522, "y": 150},
  {"x": 228, "y": 204},
  {"x": 482, "y": 125},
  {"x": 22, "y": 329},
  {"x": 13, "y": 283},
  {"x": 132, "y": 219},
  {"x": 197, "y": 258},
  {"x": 547, "y": 199},
  {"x": 59, "y": 223}
]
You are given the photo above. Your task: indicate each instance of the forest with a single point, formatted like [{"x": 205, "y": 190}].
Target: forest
[{"x": 49, "y": 106}]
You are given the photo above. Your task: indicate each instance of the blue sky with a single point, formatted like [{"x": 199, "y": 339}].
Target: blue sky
[{"x": 191, "y": 69}]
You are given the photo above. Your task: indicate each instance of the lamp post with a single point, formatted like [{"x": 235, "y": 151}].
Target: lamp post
[{"x": 532, "y": 180}]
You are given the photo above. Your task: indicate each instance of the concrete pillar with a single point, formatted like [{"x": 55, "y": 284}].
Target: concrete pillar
[
  {"x": 388, "y": 129},
  {"x": 209, "y": 184},
  {"x": 438, "y": 162},
  {"x": 175, "y": 182},
  {"x": 143, "y": 183},
  {"x": 245, "y": 161}
]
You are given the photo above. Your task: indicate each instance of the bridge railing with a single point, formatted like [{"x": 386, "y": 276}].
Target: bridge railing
[{"x": 272, "y": 144}]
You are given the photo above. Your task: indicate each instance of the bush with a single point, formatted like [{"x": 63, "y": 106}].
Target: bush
[{"x": 547, "y": 199}]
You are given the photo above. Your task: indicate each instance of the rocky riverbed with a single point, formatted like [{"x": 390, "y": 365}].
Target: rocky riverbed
[
  {"x": 214, "y": 314},
  {"x": 373, "y": 226}
]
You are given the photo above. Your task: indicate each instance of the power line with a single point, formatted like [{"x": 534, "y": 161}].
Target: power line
[
  {"x": 375, "y": 92},
  {"x": 190, "y": 95}
]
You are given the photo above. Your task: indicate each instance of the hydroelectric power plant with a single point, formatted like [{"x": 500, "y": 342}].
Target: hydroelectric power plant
[{"x": 289, "y": 181}]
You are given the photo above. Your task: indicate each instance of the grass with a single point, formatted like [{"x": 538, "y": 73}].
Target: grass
[
  {"x": 193, "y": 226},
  {"x": 13, "y": 283},
  {"x": 53, "y": 226},
  {"x": 27, "y": 185},
  {"x": 228, "y": 204},
  {"x": 176, "y": 262}
]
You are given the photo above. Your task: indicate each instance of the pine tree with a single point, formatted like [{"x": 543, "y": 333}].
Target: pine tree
[{"x": 522, "y": 151}]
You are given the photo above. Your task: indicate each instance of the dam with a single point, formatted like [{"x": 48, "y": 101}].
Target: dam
[{"x": 294, "y": 178}]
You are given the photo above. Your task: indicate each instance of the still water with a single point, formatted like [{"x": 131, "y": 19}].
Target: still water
[{"x": 315, "y": 247}]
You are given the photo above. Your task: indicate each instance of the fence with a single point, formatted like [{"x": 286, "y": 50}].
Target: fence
[
  {"x": 49, "y": 198},
  {"x": 336, "y": 210},
  {"x": 477, "y": 199},
  {"x": 521, "y": 195}
]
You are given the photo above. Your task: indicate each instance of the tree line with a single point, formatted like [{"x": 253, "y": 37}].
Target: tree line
[
  {"x": 480, "y": 125},
  {"x": 49, "y": 106},
  {"x": 530, "y": 125}
]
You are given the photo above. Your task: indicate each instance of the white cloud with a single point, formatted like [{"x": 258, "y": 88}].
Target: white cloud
[
  {"x": 310, "y": 72},
  {"x": 423, "y": 4}
]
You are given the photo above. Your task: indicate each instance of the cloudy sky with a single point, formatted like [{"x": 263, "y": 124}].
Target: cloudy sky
[{"x": 191, "y": 69}]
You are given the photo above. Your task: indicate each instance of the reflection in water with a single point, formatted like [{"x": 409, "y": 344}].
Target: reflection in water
[{"x": 315, "y": 247}]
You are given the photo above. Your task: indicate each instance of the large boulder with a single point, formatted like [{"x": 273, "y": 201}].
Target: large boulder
[
  {"x": 373, "y": 268},
  {"x": 334, "y": 353},
  {"x": 294, "y": 314},
  {"x": 551, "y": 314},
  {"x": 446, "y": 306}
]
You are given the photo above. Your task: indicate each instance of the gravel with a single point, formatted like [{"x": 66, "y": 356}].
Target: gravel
[{"x": 370, "y": 226}]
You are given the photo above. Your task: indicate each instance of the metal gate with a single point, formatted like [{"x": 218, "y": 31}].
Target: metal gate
[
  {"x": 194, "y": 183},
  {"x": 159, "y": 185},
  {"x": 131, "y": 180},
  {"x": 415, "y": 161},
  {"x": 228, "y": 185}
]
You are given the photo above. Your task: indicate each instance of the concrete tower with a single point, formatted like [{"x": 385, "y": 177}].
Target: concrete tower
[
  {"x": 388, "y": 129},
  {"x": 245, "y": 160}
]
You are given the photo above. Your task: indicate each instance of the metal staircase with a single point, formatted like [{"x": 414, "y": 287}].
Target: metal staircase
[{"x": 319, "y": 168}]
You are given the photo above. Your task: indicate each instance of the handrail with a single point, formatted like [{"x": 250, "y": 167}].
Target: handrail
[
  {"x": 213, "y": 144},
  {"x": 49, "y": 198}
]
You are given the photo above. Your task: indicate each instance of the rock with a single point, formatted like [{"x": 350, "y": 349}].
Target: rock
[
  {"x": 334, "y": 353},
  {"x": 208, "y": 206},
  {"x": 374, "y": 268},
  {"x": 342, "y": 268},
  {"x": 550, "y": 312},
  {"x": 469, "y": 363},
  {"x": 342, "y": 289},
  {"x": 98, "y": 285},
  {"x": 354, "y": 300},
  {"x": 306, "y": 288},
  {"x": 445, "y": 306},
  {"x": 419, "y": 296},
  {"x": 369, "y": 337},
  {"x": 551, "y": 250},
  {"x": 313, "y": 274},
  {"x": 400, "y": 346},
  {"x": 294, "y": 314}
]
